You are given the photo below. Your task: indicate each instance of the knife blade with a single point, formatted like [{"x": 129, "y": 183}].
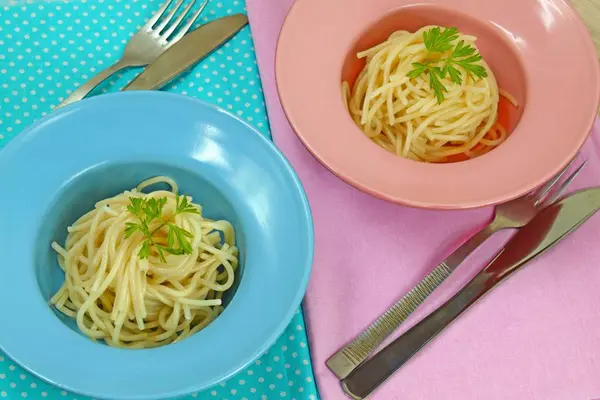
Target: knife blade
[
  {"x": 546, "y": 230},
  {"x": 188, "y": 51}
]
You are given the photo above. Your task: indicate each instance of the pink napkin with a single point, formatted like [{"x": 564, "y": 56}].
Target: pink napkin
[{"x": 537, "y": 336}]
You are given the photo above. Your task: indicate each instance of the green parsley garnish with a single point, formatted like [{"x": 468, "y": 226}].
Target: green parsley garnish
[
  {"x": 460, "y": 54},
  {"x": 149, "y": 211}
]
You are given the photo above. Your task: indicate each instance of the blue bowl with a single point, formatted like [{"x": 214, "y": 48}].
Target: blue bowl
[{"x": 58, "y": 168}]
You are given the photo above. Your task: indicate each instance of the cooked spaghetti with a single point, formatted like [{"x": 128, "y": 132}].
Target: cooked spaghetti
[
  {"x": 403, "y": 113},
  {"x": 144, "y": 270}
]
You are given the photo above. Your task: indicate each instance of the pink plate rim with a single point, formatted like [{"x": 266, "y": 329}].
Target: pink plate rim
[{"x": 308, "y": 73}]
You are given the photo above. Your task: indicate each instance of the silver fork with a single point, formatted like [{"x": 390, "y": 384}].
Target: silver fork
[
  {"x": 146, "y": 45},
  {"x": 513, "y": 214}
]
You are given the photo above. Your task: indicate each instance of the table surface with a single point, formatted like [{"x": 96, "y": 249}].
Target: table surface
[{"x": 590, "y": 12}]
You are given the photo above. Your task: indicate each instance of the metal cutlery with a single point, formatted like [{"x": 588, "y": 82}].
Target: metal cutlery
[
  {"x": 513, "y": 214},
  {"x": 543, "y": 232},
  {"x": 187, "y": 52},
  {"x": 153, "y": 39}
]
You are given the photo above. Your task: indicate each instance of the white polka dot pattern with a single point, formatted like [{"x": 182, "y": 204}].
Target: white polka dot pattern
[{"x": 47, "y": 49}]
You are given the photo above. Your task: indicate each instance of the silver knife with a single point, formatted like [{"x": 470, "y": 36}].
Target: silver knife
[
  {"x": 543, "y": 232},
  {"x": 188, "y": 51}
]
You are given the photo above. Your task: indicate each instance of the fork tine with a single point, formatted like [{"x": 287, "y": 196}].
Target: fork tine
[
  {"x": 186, "y": 27},
  {"x": 168, "y": 17},
  {"x": 564, "y": 185},
  {"x": 157, "y": 15},
  {"x": 177, "y": 21},
  {"x": 543, "y": 191}
]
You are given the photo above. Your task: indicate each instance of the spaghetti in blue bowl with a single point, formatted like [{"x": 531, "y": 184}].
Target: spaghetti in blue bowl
[{"x": 151, "y": 237}]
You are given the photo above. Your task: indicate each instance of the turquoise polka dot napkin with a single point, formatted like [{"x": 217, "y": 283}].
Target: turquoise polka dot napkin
[{"x": 49, "y": 48}]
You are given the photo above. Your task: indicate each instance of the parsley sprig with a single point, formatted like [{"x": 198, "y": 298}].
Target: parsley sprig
[
  {"x": 149, "y": 211},
  {"x": 460, "y": 54}
]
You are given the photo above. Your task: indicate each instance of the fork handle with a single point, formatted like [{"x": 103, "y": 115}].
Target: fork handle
[
  {"x": 349, "y": 357},
  {"x": 460, "y": 254},
  {"x": 361, "y": 382},
  {"x": 97, "y": 79}
]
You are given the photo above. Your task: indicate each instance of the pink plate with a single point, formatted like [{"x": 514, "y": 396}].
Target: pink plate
[{"x": 540, "y": 51}]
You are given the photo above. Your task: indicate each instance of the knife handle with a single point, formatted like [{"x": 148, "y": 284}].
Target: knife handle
[
  {"x": 373, "y": 372},
  {"x": 349, "y": 357}
]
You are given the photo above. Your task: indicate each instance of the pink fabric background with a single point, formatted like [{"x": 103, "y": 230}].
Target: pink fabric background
[{"x": 535, "y": 337}]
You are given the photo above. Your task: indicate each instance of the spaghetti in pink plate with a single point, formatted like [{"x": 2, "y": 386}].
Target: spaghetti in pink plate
[{"x": 448, "y": 105}]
